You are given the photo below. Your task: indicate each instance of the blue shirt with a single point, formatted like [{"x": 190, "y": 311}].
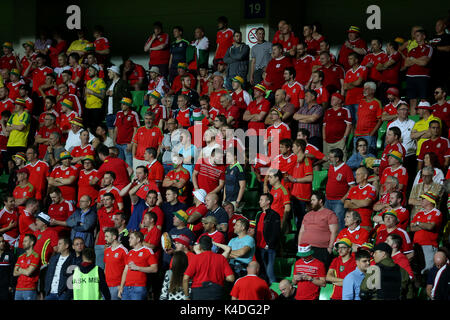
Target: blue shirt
[
  {"x": 238, "y": 243},
  {"x": 354, "y": 162},
  {"x": 352, "y": 285},
  {"x": 233, "y": 174}
]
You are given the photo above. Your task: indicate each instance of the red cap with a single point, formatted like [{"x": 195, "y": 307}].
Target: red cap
[
  {"x": 393, "y": 91},
  {"x": 183, "y": 240},
  {"x": 338, "y": 95}
]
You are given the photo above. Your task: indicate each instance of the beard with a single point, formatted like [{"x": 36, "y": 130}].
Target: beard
[{"x": 316, "y": 207}]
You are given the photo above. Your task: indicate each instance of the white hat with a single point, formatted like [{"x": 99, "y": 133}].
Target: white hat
[
  {"x": 200, "y": 194},
  {"x": 424, "y": 105},
  {"x": 44, "y": 217},
  {"x": 154, "y": 69},
  {"x": 304, "y": 250},
  {"x": 114, "y": 69}
]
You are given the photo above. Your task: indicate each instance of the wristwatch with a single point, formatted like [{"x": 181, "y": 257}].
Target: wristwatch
[{"x": 417, "y": 223}]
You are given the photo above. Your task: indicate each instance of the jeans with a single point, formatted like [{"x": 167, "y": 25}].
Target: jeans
[
  {"x": 299, "y": 211},
  {"x": 268, "y": 259},
  {"x": 167, "y": 168},
  {"x": 110, "y": 119},
  {"x": 99, "y": 253},
  {"x": 372, "y": 143},
  {"x": 55, "y": 296},
  {"x": 353, "y": 108},
  {"x": 337, "y": 207},
  {"x": 134, "y": 293},
  {"x": 125, "y": 155},
  {"x": 428, "y": 253},
  {"x": 114, "y": 292},
  {"x": 25, "y": 295}
]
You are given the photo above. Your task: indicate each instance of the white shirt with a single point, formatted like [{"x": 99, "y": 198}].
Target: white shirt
[
  {"x": 406, "y": 128},
  {"x": 110, "y": 99},
  {"x": 55, "y": 281},
  {"x": 73, "y": 140}
]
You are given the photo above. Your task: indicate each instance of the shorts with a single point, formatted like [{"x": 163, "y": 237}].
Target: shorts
[{"x": 417, "y": 87}]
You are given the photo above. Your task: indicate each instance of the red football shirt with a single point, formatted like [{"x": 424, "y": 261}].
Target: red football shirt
[
  {"x": 115, "y": 261},
  {"x": 415, "y": 70},
  {"x": 368, "y": 115},
  {"x": 274, "y": 72},
  {"x": 27, "y": 191},
  {"x": 161, "y": 56},
  {"x": 424, "y": 237},
  {"x": 391, "y": 74},
  {"x": 84, "y": 188},
  {"x": 119, "y": 167},
  {"x": 357, "y": 236},
  {"x": 61, "y": 212},
  {"x": 198, "y": 225},
  {"x": 337, "y": 120},
  {"x": 362, "y": 193},
  {"x": 224, "y": 40},
  {"x": 340, "y": 179},
  {"x": 302, "y": 191},
  {"x": 68, "y": 191},
  {"x": 354, "y": 96},
  {"x": 341, "y": 269},
  {"x": 440, "y": 147},
  {"x": 303, "y": 69},
  {"x": 117, "y": 198},
  {"x": 306, "y": 290},
  {"x": 250, "y": 287},
  {"x": 294, "y": 92},
  {"x": 105, "y": 220},
  {"x": 332, "y": 76},
  {"x": 25, "y": 283},
  {"x": 155, "y": 171},
  {"x": 39, "y": 171},
  {"x": 256, "y": 107},
  {"x": 25, "y": 220},
  {"x": 142, "y": 257},
  {"x": 407, "y": 245},
  {"x": 46, "y": 241},
  {"x": 175, "y": 175},
  {"x": 375, "y": 59},
  {"x": 38, "y": 76},
  {"x": 209, "y": 174},
  {"x": 147, "y": 138},
  {"x": 6, "y": 218},
  {"x": 281, "y": 197}
]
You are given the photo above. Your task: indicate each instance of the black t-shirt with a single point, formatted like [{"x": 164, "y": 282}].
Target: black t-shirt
[
  {"x": 169, "y": 210},
  {"x": 440, "y": 58},
  {"x": 178, "y": 51}
]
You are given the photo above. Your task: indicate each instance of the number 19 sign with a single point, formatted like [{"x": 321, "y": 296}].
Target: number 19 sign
[{"x": 254, "y": 9}]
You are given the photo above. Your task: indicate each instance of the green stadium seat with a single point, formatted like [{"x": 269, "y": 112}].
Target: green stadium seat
[
  {"x": 380, "y": 137},
  {"x": 414, "y": 118},
  {"x": 350, "y": 143},
  {"x": 319, "y": 179},
  {"x": 274, "y": 287},
  {"x": 289, "y": 242},
  {"x": 325, "y": 292},
  {"x": 142, "y": 112},
  {"x": 138, "y": 100},
  {"x": 252, "y": 182},
  {"x": 283, "y": 267}
]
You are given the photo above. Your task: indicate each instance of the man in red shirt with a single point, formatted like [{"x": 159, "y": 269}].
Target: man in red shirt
[
  {"x": 40, "y": 73},
  {"x": 26, "y": 219},
  {"x": 442, "y": 107},
  {"x": 354, "y": 44},
  {"x": 114, "y": 164},
  {"x": 316, "y": 84},
  {"x": 440, "y": 146},
  {"x": 391, "y": 223},
  {"x": 115, "y": 260},
  {"x": 395, "y": 169},
  {"x": 368, "y": 117},
  {"x": 418, "y": 70},
  {"x": 126, "y": 124},
  {"x": 47, "y": 238},
  {"x": 361, "y": 197},
  {"x": 251, "y": 287},
  {"x": 295, "y": 92},
  {"x": 140, "y": 262},
  {"x": 281, "y": 197},
  {"x": 309, "y": 274},
  {"x": 108, "y": 187},
  {"x": 275, "y": 68},
  {"x": 352, "y": 231},
  {"x": 342, "y": 265},
  {"x": 373, "y": 59},
  {"x": 8, "y": 60},
  {"x": 393, "y": 143},
  {"x": 209, "y": 173},
  {"x": 23, "y": 190},
  {"x": 286, "y": 38},
  {"x": 333, "y": 73},
  {"x": 302, "y": 64},
  {"x": 64, "y": 177},
  {"x": 106, "y": 220},
  {"x": 152, "y": 232},
  {"x": 158, "y": 47},
  {"x": 395, "y": 204},
  {"x": 256, "y": 111},
  {"x": 39, "y": 172},
  {"x": 42, "y": 136},
  {"x": 60, "y": 209},
  {"x": 337, "y": 124},
  {"x": 224, "y": 38},
  {"x": 395, "y": 242},
  {"x": 148, "y": 136},
  {"x": 426, "y": 225},
  {"x": 353, "y": 84},
  {"x": 155, "y": 168},
  {"x": 27, "y": 270},
  {"x": 9, "y": 217},
  {"x": 208, "y": 270}
]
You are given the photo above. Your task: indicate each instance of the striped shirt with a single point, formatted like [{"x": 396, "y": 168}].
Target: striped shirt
[{"x": 314, "y": 128}]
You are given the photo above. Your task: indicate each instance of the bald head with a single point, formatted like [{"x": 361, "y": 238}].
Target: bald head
[
  {"x": 440, "y": 259},
  {"x": 286, "y": 288},
  {"x": 253, "y": 268}
]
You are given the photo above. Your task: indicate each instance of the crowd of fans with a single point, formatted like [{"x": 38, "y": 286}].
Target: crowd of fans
[{"x": 132, "y": 182}]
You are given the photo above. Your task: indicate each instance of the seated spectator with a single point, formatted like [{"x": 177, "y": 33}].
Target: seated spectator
[
  {"x": 156, "y": 82},
  {"x": 360, "y": 198},
  {"x": 197, "y": 211},
  {"x": 242, "y": 248},
  {"x": 320, "y": 233},
  {"x": 353, "y": 231},
  {"x": 352, "y": 281},
  {"x": 427, "y": 185},
  {"x": 73, "y": 138},
  {"x": 430, "y": 160},
  {"x": 232, "y": 218},
  {"x": 251, "y": 287},
  {"x": 437, "y": 282},
  {"x": 426, "y": 226},
  {"x": 65, "y": 177},
  {"x": 286, "y": 109},
  {"x": 391, "y": 185},
  {"x": 170, "y": 141},
  {"x": 287, "y": 290},
  {"x": 341, "y": 266},
  {"x": 309, "y": 274},
  {"x": 276, "y": 133}
]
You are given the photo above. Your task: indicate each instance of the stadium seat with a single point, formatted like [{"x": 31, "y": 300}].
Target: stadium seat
[
  {"x": 380, "y": 136},
  {"x": 142, "y": 112},
  {"x": 350, "y": 143},
  {"x": 325, "y": 292},
  {"x": 289, "y": 242},
  {"x": 252, "y": 182},
  {"x": 319, "y": 180},
  {"x": 138, "y": 100},
  {"x": 283, "y": 266},
  {"x": 274, "y": 287},
  {"x": 414, "y": 118}
]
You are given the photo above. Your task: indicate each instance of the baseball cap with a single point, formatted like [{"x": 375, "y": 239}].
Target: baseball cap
[
  {"x": 154, "y": 69},
  {"x": 114, "y": 69},
  {"x": 200, "y": 194},
  {"x": 183, "y": 239},
  {"x": 44, "y": 218},
  {"x": 383, "y": 247}
]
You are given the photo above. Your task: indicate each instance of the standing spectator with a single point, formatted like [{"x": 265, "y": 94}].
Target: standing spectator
[
  {"x": 6, "y": 272},
  {"x": 86, "y": 181},
  {"x": 115, "y": 261},
  {"x": 339, "y": 126},
  {"x": 236, "y": 57},
  {"x": 107, "y": 183},
  {"x": 286, "y": 37},
  {"x": 426, "y": 226},
  {"x": 170, "y": 206},
  {"x": 209, "y": 173},
  {"x": 95, "y": 94},
  {"x": 172, "y": 288},
  {"x": 418, "y": 70},
  {"x": 133, "y": 74},
  {"x": 352, "y": 231},
  {"x": 342, "y": 265},
  {"x": 257, "y": 111},
  {"x": 334, "y": 74},
  {"x": 23, "y": 190},
  {"x": 275, "y": 68},
  {"x": 65, "y": 177},
  {"x": 89, "y": 282},
  {"x": 155, "y": 168},
  {"x": 316, "y": 84},
  {"x": 215, "y": 210},
  {"x": 390, "y": 68},
  {"x": 440, "y": 58},
  {"x": 208, "y": 270},
  {"x": 177, "y": 51},
  {"x": 319, "y": 229},
  {"x": 260, "y": 56},
  {"x": 386, "y": 269},
  {"x": 368, "y": 117},
  {"x": 120, "y": 223},
  {"x": 340, "y": 180},
  {"x": 18, "y": 127},
  {"x": 309, "y": 274},
  {"x": 27, "y": 219},
  {"x": 442, "y": 107},
  {"x": 178, "y": 178},
  {"x": 353, "y": 44},
  {"x": 59, "y": 210},
  {"x": 158, "y": 47},
  {"x": 352, "y": 281},
  {"x": 420, "y": 132},
  {"x": 139, "y": 263},
  {"x": 27, "y": 270},
  {"x": 235, "y": 182},
  {"x": 39, "y": 172},
  {"x": 360, "y": 198},
  {"x": 373, "y": 59},
  {"x": 42, "y": 136},
  {"x": 309, "y": 117},
  {"x": 9, "y": 217},
  {"x": 148, "y": 136},
  {"x": 101, "y": 45},
  {"x": 294, "y": 91},
  {"x": 281, "y": 198},
  {"x": 105, "y": 218},
  {"x": 224, "y": 39},
  {"x": 395, "y": 242},
  {"x": 355, "y": 77},
  {"x": 57, "y": 275},
  {"x": 440, "y": 146},
  {"x": 250, "y": 287}
]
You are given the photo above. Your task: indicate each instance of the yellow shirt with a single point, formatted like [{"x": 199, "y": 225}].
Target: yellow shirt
[
  {"x": 424, "y": 125},
  {"x": 19, "y": 138},
  {"x": 92, "y": 102},
  {"x": 1, "y": 82},
  {"x": 77, "y": 45}
]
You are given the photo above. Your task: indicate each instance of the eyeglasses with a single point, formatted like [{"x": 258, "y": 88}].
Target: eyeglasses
[
  {"x": 342, "y": 248},
  {"x": 436, "y": 92}
]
